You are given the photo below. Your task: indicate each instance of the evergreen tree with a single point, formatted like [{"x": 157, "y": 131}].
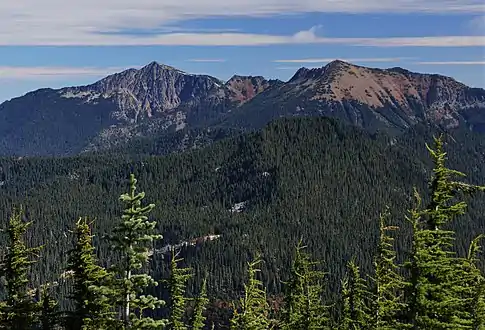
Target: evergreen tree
[
  {"x": 356, "y": 313},
  {"x": 201, "y": 302},
  {"x": 19, "y": 310},
  {"x": 438, "y": 293},
  {"x": 476, "y": 284},
  {"x": 303, "y": 305},
  {"x": 388, "y": 285},
  {"x": 254, "y": 307},
  {"x": 177, "y": 284},
  {"x": 133, "y": 237},
  {"x": 92, "y": 309},
  {"x": 49, "y": 316}
]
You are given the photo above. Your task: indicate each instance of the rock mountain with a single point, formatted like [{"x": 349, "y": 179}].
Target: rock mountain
[{"x": 159, "y": 99}]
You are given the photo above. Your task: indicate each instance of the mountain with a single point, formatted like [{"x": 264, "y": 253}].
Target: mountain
[
  {"x": 376, "y": 99},
  {"x": 154, "y": 99},
  {"x": 159, "y": 100}
]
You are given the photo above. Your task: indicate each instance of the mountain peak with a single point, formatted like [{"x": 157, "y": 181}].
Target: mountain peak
[{"x": 155, "y": 66}]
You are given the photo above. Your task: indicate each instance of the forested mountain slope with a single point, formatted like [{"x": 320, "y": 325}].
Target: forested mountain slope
[{"x": 310, "y": 178}]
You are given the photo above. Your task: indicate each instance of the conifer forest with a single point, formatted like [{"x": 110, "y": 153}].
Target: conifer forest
[{"x": 306, "y": 224}]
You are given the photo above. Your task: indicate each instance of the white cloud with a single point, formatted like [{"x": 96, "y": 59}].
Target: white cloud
[
  {"x": 451, "y": 63},
  {"x": 351, "y": 60},
  {"x": 60, "y": 22},
  {"x": 52, "y": 73}
]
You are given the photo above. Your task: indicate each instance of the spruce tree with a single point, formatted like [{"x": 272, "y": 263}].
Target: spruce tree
[
  {"x": 388, "y": 284},
  {"x": 177, "y": 284},
  {"x": 92, "y": 308},
  {"x": 303, "y": 306},
  {"x": 201, "y": 302},
  {"x": 133, "y": 238},
  {"x": 476, "y": 282},
  {"x": 254, "y": 307},
  {"x": 438, "y": 293},
  {"x": 356, "y": 313},
  {"x": 49, "y": 315},
  {"x": 19, "y": 310}
]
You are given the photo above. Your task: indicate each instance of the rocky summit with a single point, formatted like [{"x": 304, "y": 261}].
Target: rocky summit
[{"x": 160, "y": 99}]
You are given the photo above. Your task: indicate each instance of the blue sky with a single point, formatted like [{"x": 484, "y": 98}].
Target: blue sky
[{"x": 51, "y": 44}]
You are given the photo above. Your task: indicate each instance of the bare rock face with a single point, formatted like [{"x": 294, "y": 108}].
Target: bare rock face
[
  {"x": 377, "y": 98},
  {"x": 243, "y": 89}
]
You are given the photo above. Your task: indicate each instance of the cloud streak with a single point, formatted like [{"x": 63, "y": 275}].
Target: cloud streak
[
  {"x": 52, "y": 73},
  {"x": 451, "y": 63},
  {"x": 103, "y": 22}
]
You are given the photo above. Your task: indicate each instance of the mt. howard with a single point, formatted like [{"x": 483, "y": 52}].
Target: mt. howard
[{"x": 160, "y": 100}]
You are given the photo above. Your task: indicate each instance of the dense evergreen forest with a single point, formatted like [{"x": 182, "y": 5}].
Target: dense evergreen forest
[{"x": 244, "y": 207}]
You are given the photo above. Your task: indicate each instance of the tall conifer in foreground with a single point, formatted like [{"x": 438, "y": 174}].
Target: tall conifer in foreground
[
  {"x": 49, "y": 314},
  {"x": 303, "y": 306},
  {"x": 356, "y": 313},
  {"x": 92, "y": 309},
  {"x": 19, "y": 310},
  {"x": 254, "y": 307},
  {"x": 133, "y": 238},
  {"x": 438, "y": 294},
  {"x": 388, "y": 285},
  {"x": 476, "y": 282},
  {"x": 201, "y": 302},
  {"x": 177, "y": 284}
]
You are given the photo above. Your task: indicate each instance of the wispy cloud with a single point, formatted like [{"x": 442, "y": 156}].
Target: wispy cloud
[
  {"x": 51, "y": 73},
  {"x": 207, "y": 60},
  {"x": 351, "y": 60},
  {"x": 106, "y": 22},
  {"x": 240, "y": 39},
  {"x": 450, "y": 63}
]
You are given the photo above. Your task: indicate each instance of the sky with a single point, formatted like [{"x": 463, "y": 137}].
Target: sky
[{"x": 57, "y": 43}]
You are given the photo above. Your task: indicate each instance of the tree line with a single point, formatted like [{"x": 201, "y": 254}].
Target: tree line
[{"x": 433, "y": 288}]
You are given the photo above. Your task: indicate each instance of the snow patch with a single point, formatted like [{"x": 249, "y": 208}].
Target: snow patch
[
  {"x": 238, "y": 207},
  {"x": 88, "y": 95}
]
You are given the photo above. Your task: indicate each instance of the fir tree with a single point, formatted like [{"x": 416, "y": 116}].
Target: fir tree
[
  {"x": 476, "y": 282},
  {"x": 49, "y": 316},
  {"x": 356, "y": 313},
  {"x": 92, "y": 309},
  {"x": 303, "y": 306},
  {"x": 19, "y": 310},
  {"x": 438, "y": 294},
  {"x": 201, "y": 302},
  {"x": 133, "y": 237},
  {"x": 388, "y": 284},
  {"x": 177, "y": 284},
  {"x": 254, "y": 307}
]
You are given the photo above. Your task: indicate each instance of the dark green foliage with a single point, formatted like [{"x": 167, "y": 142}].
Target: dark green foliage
[
  {"x": 312, "y": 178},
  {"x": 476, "y": 282},
  {"x": 303, "y": 306},
  {"x": 92, "y": 306},
  {"x": 356, "y": 298},
  {"x": 201, "y": 302},
  {"x": 253, "y": 311},
  {"x": 438, "y": 295},
  {"x": 19, "y": 309},
  {"x": 388, "y": 284},
  {"x": 49, "y": 314},
  {"x": 133, "y": 238},
  {"x": 177, "y": 284}
]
